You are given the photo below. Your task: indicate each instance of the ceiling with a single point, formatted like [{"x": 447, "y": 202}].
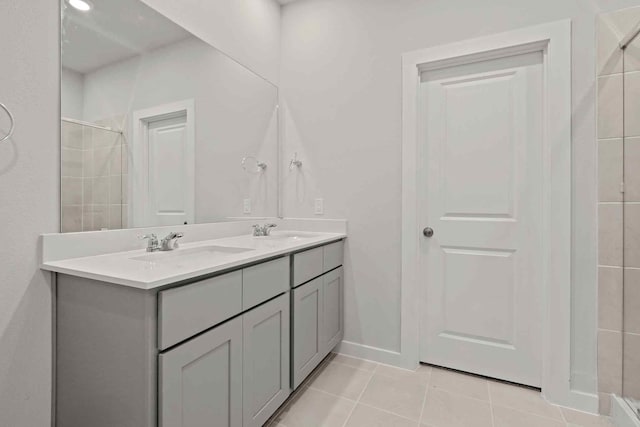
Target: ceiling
[{"x": 113, "y": 30}]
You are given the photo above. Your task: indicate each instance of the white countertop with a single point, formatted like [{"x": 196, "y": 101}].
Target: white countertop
[{"x": 120, "y": 268}]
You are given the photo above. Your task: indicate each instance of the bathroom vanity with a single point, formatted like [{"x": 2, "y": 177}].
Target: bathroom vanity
[{"x": 221, "y": 342}]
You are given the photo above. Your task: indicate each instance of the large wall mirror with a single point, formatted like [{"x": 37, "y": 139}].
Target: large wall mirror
[{"x": 158, "y": 127}]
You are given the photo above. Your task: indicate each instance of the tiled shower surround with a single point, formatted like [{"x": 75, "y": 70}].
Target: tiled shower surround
[
  {"x": 94, "y": 178},
  {"x": 618, "y": 208}
]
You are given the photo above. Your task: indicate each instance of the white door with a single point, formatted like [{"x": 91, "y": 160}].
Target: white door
[
  {"x": 481, "y": 271},
  {"x": 163, "y": 166}
]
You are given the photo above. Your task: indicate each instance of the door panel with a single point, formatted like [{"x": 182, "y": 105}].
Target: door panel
[
  {"x": 201, "y": 380},
  {"x": 307, "y": 329},
  {"x": 266, "y": 360},
  {"x": 161, "y": 165},
  {"x": 482, "y": 130},
  {"x": 168, "y": 170},
  {"x": 333, "y": 292}
]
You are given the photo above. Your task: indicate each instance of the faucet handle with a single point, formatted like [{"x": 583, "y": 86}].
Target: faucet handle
[
  {"x": 153, "y": 241},
  {"x": 259, "y": 230},
  {"x": 268, "y": 227}
]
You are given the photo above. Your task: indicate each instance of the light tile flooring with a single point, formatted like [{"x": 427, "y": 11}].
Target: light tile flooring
[{"x": 348, "y": 392}]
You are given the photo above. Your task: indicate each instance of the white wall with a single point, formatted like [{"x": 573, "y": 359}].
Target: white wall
[
  {"x": 29, "y": 172},
  {"x": 235, "y": 116},
  {"x": 246, "y": 30},
  {"x": 29, "y": 177},
  {"x": 340, "y": 83},
  {"x": 71, "y": 93}
]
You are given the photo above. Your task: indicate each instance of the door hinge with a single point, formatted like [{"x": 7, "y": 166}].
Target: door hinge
[{"x": 622, "y": 187}]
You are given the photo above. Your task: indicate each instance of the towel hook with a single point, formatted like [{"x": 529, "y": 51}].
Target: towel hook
[
  {"x": 260, "y": 166},
  {"x": 8, "y": 135}
]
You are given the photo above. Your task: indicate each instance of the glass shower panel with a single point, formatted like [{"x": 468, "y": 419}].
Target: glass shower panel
[
  {"x": 94, "y": 178},
  {"x": 631, "y": 227}
]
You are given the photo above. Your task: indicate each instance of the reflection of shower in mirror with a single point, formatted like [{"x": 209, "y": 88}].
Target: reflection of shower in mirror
[{"x": 248, "y": 161}]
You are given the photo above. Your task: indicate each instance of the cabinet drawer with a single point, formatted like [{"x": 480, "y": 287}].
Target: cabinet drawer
[
  {"x": 264, "y": 281},
  {"x": 307, "y": 265},
  {"x": 189, "y": 309},
  {"x": 333, "y": 255}
]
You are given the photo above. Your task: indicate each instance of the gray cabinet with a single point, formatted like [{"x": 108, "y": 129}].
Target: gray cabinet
[
  {"x": 306, "y": 330},
  {"x": 266, "y": 360},
  {"x": 318, "y": 322},
  {"x": 333, "y": 303},
  {"x": 218, "y": 351},
  {"x": 201, "y": 380}
]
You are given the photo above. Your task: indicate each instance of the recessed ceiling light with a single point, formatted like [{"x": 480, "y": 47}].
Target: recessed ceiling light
[{"x": 80, "y": 5}]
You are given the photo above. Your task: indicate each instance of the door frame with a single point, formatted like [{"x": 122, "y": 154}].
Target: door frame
[
  {"x": 554, "y": 41},
  {"x": 138, "y": 212}
]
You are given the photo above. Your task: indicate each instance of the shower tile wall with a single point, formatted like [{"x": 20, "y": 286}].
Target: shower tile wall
[
  {"x": 71, "y": 177},
  {"x": 94, "y": 178},
  {"x": 618, "y": 211}
]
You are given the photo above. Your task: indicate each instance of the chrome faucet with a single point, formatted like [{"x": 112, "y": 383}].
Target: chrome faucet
[
  {"x": 152, "y": 245},
  {"x": 262, "y": 230},
  {"x": 170, "y": 242}
]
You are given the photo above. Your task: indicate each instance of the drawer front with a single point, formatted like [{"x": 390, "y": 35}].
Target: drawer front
[
  {"x": 333, "y": 255},
  {"x": 264, "y": 281},
  {"x": 190, "y": 309},
  {"x": 307, "y": 265}
]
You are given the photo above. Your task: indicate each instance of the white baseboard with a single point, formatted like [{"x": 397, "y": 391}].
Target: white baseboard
[
  {"x": 621, "y": 413},
  {"x": 374, "y": 354},
  {"x": 580, "y": 401}
]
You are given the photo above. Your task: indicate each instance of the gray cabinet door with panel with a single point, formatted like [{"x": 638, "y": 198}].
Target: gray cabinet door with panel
[
  {"x": 333, "y": 303},
  {"x": 266, "y": 360},
  {"x": 201, "y": 380},
  {"x": 307, "y": 329}
]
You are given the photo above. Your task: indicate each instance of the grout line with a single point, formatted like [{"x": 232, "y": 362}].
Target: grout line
[
  {"x": 360, "y": 397},
  {"x": 493, "y": 420},
  {"x": 610, "y": 330},
  {"x": 355, "y": 367},
  {"x": 562, "y": 414},
  {"x": 328, "y": 393},
  {"x": 386, "y": 411},
  {"x": 535, "y": 414},
  {"x": 424, "y": 398}
]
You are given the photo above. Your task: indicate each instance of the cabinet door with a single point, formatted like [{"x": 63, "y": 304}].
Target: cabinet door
[
  {"x": 201, "y": 380},
  {"x": 333, "y": 317},
  {"x": 266, "y": 370},
  {"x": 307, "y": 329}
]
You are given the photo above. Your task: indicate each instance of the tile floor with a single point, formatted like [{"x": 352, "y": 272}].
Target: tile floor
[{"x": 348, "y": 392}]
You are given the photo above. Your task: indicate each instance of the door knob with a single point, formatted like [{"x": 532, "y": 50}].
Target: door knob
[{"x": 428, "y": 232}]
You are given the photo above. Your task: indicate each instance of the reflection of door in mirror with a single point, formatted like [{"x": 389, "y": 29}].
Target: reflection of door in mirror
[{"x": 162, "y": 165}]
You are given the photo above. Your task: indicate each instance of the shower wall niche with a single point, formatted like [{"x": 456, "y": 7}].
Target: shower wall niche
[{"x": 94, "y": 176}]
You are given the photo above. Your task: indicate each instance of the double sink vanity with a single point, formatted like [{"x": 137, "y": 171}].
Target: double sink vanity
[
  {"x": 217, "y": 332},
  {"x": 209, "y": 325}
]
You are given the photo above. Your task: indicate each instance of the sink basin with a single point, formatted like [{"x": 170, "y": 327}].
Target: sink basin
[
  {"x": 288, "y": 235},
  {"x": 202, "y": 252}
]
